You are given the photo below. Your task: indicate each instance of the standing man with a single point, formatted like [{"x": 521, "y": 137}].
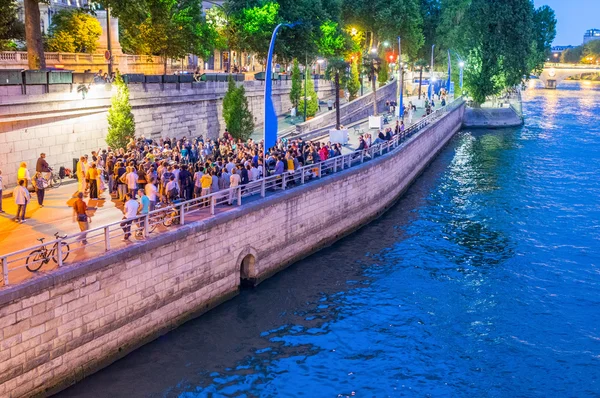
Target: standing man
[
  {"x": 130, "y": 210},
  {"x": 151, "y": 193},
  {"x": 206, "y": 182},
  {"x": 22, "y": 197},
  {"x": 81, "y": 216},
  {"x": 43, "y": 167},
  {"x": 81, "y": 175},
  {"x": 132, "y": 181},
  {"x": 234, "y": 181}
]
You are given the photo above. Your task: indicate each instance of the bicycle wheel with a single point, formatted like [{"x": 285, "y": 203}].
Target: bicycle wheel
[
  {"x": 168, "y": 220},
  {"x": 56, "y": 181},
  {"x": 65, "y": 249},
  {"x": 35, "y": 260}
]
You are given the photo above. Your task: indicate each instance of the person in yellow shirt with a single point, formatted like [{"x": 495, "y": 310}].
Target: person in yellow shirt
[
  {"x": 92, "y": 177},
  {"x": 205, "y": 182}
]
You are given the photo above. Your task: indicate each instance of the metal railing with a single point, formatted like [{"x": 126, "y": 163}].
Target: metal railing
[{"x": 144, "y": 226}]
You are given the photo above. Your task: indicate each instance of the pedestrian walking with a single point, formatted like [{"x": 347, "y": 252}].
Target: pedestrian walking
[
  {"x": 22, "y": 197},
  {"x": 81, "y": 217},
  {"x": 152, "y": 194},
  {"x": 40, "y": 188},
  {"x": 234, "y": 181}
]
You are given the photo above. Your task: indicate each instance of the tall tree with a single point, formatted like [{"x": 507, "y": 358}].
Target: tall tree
[
  {"x": 353, "y": 84},
  {"x": 33, "y": 34},
  {"x": 544, "y": 32},
  {"x": 236, "y": 112},
  {"x": 312, "y": 100},
  {"x": 10, "y": 27},
  {"x": 121, "y": 124},
  {"x": 296, "y": 89}
]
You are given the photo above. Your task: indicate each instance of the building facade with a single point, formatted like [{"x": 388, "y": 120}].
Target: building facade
[{"x": 591, "y": 34}]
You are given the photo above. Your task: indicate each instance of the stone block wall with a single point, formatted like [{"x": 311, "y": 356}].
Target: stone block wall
[
  {"x": 61, "y": 326},
  {"x": 65, "y": 126}
]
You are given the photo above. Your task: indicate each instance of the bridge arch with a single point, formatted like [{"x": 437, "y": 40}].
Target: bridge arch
[
  {"x": 247, "y": 261},
  {"x": 553, "y": 75}
]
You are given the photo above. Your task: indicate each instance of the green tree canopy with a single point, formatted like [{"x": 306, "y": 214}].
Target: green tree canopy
[
  {"x": 544, "y": 32},
  {"x": 296, "y": 89},
  {"x": 74, "y": 31},
  {"x": 312, "y": 103},
  {"x": 353, "y": 84}
]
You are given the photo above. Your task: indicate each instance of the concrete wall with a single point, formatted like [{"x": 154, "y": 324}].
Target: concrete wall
[
  {"x": 491, "y": 118},
  {"x": 350, "y": 112},
  {"x": 63, "y": 325},
  {"x": 65, "y": 126}
]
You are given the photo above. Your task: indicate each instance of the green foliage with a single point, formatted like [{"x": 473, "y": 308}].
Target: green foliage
[
  {"x": 544, "y": 32},
  {"x": 332, "y": 42},
  {"x": 387, "y": 19},
  {"x": 121, "y": 124},
  {"x": 236, "y": 113},
  {"x": 383, "y": 75},
  {"x": 353, "y": 84},
  {"x": 170, "y": 28},
  {"x": 296, "y": 89},
  {"x": 74, "y": 31},
  {"x": 312, "y": 103},
  {"x": 572, "y": 55},
  {"x": 10, "y": 27}
]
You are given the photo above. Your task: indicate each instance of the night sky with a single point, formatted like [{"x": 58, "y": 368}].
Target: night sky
[{"x": 574, "y": 18}]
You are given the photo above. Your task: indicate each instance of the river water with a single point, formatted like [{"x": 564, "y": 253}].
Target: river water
[{"x": 483, "y": 281}]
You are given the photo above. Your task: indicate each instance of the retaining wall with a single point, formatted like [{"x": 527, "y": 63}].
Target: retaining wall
[
  {"x": 64, "y": 325},
  {"x": 65, "y": 126}
]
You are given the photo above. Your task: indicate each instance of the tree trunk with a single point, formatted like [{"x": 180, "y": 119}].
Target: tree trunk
[
  {"x": 33, "y": 33},
  {"x": 337, "y": 100},
  {"x": 165, "y": 64},
  {"x": 420, "y": 81}
]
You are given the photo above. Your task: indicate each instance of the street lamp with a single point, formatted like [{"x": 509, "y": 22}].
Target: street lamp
[
  {"x": 353, "y": 32},
  {"x": 461, "y": 65}
]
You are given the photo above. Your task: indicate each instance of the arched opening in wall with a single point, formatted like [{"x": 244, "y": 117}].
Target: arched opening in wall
[{"x": 246, "y": 271}]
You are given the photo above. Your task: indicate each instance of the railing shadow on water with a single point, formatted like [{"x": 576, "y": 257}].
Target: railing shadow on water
[{"x": 97, "y": 241}]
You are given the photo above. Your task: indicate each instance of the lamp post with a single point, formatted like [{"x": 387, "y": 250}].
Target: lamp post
[
  {"x": 305, "y": 80},
  {"x": 431, "y": 77}
]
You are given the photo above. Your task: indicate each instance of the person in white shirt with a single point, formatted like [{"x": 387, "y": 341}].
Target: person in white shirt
[
  {"x": 132, "y": 179},
  {"x": 130, "y": 210},
  {"x": 172, "y": 190},
  {"x": 152, "y": 193},
  {"x": 230, "y": 166},
  {"x": 21, "y": 196},
  {"x": 234, "y": 181},
  {"x": 254, "y": 174}
]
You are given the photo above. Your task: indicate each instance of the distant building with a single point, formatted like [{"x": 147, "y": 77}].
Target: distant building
[
  {"x": 591, "y": 34},
  {"x": 560, "y": 49}
]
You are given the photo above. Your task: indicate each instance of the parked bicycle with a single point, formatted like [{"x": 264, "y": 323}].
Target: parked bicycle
[
  {"x": 43, "y": 255},
  {"x": 166, "y": 217},
  {"x": 53, "y": 181}
]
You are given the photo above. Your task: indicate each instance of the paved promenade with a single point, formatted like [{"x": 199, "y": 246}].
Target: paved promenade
[{"x": 57, "y": 215}]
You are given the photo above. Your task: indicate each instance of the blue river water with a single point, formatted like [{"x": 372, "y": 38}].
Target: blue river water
[{"x": 483, "y": 281}]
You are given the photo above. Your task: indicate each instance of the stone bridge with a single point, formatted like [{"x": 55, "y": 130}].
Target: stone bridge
[{"x": 554, "y": 74}]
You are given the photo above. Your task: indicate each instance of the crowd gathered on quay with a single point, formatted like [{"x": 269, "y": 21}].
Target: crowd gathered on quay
[{"x": 148, "y": 173}]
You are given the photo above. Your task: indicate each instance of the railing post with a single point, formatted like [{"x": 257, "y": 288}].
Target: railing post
[
  {"x": 239, "y": 196},
  {"x": 283, "y": 181},
  {"x": 106, "y": 239},
  {"x": 380, "y": 149},
  {"x": 59, "y": 253},
  {"x": 320, "y": 171},
  {"x": 335, "y": 165},
  {"x": 302, "y": 175},
  {"x": 342, "y": 162},
  {"x": 5, "y": 270},
  {"x": 213, "y": 199},
  {"x": 362, "y": 156},
  {"x": 182, "y": 214},
  {"x": 263, "y": 187},
  {"x": 146, "y": 222}
]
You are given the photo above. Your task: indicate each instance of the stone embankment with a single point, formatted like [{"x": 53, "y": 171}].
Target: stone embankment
[
  {"x": 60, "y": 327},
  {"x": 491, "y": 118}
]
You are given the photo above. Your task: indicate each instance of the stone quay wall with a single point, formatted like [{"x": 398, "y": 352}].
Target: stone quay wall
[
  {"x": 65, "y": 126},
  {"x": 66, "y": 324}
]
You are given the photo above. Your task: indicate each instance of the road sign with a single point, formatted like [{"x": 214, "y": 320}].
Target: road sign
[{"x": 107, "y": 55}]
